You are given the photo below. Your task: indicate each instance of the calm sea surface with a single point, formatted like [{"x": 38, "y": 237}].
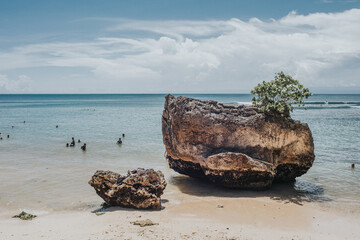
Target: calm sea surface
[{"x": 37, "y": 171}]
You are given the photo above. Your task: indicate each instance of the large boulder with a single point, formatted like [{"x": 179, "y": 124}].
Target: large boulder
[
  {"x": 140, "y": 188},
  {"x": 234, "y": 146}
]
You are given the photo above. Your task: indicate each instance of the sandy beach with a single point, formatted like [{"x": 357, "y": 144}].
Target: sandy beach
[{"x": 188, "y": 216}]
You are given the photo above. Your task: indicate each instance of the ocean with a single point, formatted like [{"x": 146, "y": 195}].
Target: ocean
[{"x": 37, "y": 170}]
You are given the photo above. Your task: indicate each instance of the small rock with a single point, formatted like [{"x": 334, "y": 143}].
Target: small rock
[
  {"x": 140, "y": 188},
  {"x": 25, "y": 216},
  {"x": 220, "y": 206},
  {"x": 144, "y": 223}
]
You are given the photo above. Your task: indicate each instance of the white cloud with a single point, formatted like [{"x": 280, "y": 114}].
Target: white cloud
[
  {"x": 322, "y": 50},
  {"x": 20, "y": 84}
]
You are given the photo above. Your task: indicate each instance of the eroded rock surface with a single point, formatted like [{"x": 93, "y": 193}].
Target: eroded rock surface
[
  {"x": 140, "y": 188},
  {"x": 234, "y": 146}
]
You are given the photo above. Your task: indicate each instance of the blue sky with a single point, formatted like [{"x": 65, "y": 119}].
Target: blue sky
[{"x": 176, "y": 46}]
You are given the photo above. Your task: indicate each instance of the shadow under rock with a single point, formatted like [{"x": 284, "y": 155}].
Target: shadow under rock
[
  {"x": 295, "y": 192},
  {"x": 104, "y": 208}
]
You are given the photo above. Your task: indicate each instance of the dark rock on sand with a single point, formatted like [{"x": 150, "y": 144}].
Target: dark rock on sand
[
  {"x": 25, "y": 216},
  {"x": 234, "y": 146},
  {"x": 140, "y": 188}
]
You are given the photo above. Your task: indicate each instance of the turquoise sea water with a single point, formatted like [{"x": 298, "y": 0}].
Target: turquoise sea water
[{"x": 38, "y": 171}]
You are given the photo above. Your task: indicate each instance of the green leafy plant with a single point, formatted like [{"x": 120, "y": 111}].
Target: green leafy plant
[{"x": 280, "y": 94}]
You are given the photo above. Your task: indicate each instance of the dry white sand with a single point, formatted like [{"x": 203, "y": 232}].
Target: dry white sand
[{"x": 191, "y": 217}]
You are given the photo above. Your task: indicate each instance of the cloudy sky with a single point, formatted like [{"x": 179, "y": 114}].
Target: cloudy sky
[{"x": 172, "y": 46}]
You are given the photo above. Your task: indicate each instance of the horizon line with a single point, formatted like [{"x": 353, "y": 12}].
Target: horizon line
[{"x": 157, "y": 93}]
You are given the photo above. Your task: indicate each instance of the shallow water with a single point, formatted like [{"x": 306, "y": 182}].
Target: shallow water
[{"x": 37, "y": 171}]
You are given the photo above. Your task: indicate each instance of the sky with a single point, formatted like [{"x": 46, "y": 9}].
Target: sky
[{"x": 173, "y": 46}]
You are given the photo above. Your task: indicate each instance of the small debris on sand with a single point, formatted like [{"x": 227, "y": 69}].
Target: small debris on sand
[
  {"x": 220, "y": 206},
  {"x": 25, "y": 216},
  {"x": 99, "y": 213},
  {"x": 144, "y": 223}
]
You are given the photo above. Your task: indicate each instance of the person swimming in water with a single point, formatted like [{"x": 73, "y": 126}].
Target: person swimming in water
[
  {"x": 57, "y": 126},
  {"x": 123, "y": 134},
  {"x": 79, "y": 141},
  {"x": 353, "y": 165},
  {"x": 67, "y": 145},
  {"x": 72, "y": 144},
  {"x": 8, "y": 136},
  {"x": 119, "y": 141},
  {"x": 83, "y": 147}
]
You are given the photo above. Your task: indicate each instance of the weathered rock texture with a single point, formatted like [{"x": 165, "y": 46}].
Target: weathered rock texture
[
  {"x": 140, "y": 188},
  {"x": 234, "y": 146}
]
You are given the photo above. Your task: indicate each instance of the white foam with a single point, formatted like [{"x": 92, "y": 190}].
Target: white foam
[{"x": 244, "y": 103}]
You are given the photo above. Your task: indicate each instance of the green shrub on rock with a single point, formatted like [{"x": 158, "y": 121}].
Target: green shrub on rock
[{"x": 279, "y": 95}]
